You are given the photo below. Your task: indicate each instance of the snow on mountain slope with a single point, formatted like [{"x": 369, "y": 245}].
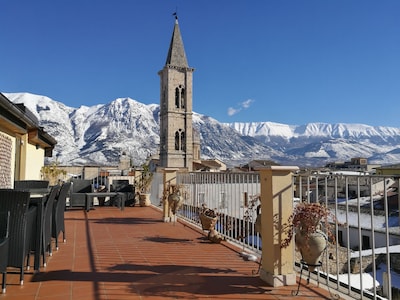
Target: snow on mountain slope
[
  {"x": 220, "y": 141},
  {"x": 268, "y": 129},
  {"x": 100, "y": 133}
]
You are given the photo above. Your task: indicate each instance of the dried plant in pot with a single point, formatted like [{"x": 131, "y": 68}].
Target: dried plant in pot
[
  {"x": 53, "y": 173},
  {"x": 310, "y": 224},
  {"x": 209, "y": 218}
]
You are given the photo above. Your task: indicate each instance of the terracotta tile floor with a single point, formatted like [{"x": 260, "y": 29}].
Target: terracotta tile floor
[{"x": 133, "y": 254}]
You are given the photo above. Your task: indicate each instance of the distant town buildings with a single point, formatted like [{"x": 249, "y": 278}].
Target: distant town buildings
[
  {"x": 357, "y": 164},
  {"x": 388, "y": 170}
]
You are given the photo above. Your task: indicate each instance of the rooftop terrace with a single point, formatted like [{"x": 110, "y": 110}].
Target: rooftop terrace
[{"x": 133, "y": 254}]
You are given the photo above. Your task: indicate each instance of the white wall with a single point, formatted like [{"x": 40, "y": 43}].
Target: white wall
[
  {"x": 34, "y": 162},
  {"x": 380, "y": 237}
]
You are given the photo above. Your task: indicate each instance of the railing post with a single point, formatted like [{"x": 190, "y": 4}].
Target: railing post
[
  {"x": 169, "y": 177},
  {"x": 276, "y": 206}
]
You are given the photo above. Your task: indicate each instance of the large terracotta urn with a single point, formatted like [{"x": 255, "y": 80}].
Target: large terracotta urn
[{"x": 311, "y": 247}]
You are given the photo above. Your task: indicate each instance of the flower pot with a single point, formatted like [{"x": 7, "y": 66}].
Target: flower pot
[
  {"x": 311, "y": 247},
  {"x": 144, "y": 200},
  {"x": 207, "y": 223}
]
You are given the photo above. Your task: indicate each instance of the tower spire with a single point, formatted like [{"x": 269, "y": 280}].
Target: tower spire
[{"x": 176, "y": 54}]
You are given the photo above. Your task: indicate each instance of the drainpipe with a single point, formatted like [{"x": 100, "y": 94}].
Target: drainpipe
[{"x": 277, "y": 264}]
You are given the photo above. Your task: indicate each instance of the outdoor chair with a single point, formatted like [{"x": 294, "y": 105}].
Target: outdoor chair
[
  {"x": 34, "y": 186},
  {"x": 79, "y": 188},
  {"x": 122, "y": 186},
  {"x": 47, "y": 222},
  {"x": 4, "y": 246},
  {"x": 22, "y": 223},
  {"x": 58, "y": 213}
]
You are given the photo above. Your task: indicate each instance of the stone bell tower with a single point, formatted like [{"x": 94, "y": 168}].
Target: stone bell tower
[{"x": 176, "y": 130}]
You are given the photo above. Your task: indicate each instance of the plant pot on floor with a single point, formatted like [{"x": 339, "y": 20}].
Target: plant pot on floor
[{"x": 144, "y": 200}]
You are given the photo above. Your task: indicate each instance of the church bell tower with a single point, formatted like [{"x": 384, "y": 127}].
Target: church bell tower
[{"x": 176, "y": 130}]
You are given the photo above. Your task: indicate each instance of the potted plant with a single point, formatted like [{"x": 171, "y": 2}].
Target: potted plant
[
  {"x": 208, "y": 218},
  {"x": 53, "y": 173},
  {"x": 143, "y": 185},
  {"x": 308, "y": 224}
]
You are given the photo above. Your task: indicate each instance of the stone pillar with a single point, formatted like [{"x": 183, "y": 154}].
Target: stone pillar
[
  {"x": 276, "y": 206},
  {"x": 168, "y": 179}
]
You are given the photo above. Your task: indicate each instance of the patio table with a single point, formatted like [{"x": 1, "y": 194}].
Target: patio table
[{"x": 90, "y": 196}]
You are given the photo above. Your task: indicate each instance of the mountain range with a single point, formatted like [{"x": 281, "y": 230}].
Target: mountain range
[{"x": 99, "y": 134}]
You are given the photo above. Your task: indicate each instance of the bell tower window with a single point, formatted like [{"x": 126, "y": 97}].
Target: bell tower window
[
  {"x": 183, "y": 142},
  {"x": 183, "y": 98},
  {"x": 177, "y": 97},
  {"x": 177, "y": 140}
]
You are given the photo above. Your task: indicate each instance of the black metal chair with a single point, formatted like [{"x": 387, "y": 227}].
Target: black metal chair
[
  {"x": 79, "y": 188},
  {"x": 4, "y": 246},
  {"x": 58, "y": 213},
  {"x": 22, "y": 223},
  {"x": 47, "y": 222},
  {"x": 128, "y": 190}
]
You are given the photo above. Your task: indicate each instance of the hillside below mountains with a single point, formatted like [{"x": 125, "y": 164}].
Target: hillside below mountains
[{"x": 97, "y": 135}]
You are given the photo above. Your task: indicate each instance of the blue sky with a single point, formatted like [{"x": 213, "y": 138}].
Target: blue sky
[{"x": 285, "y": 61}]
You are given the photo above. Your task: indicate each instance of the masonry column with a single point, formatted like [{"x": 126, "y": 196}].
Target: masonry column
[
  {"x": 276, "y": 206},
  {"x": 169, "y": 178}
]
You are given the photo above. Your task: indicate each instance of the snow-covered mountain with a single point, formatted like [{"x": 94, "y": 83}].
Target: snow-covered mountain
[
  {"x": 100, "y": 133},
  {"x": 318, "y": 143}
]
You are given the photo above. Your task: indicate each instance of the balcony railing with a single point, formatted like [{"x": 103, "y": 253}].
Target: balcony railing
[
  {"x": 234, "y": 196},
  {"x": 364, "y": 261}
]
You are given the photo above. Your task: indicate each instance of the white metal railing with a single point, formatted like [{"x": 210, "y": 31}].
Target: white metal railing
[
  {"x": 364, "y": 261},
  {"x": 234, "y": 196}
]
